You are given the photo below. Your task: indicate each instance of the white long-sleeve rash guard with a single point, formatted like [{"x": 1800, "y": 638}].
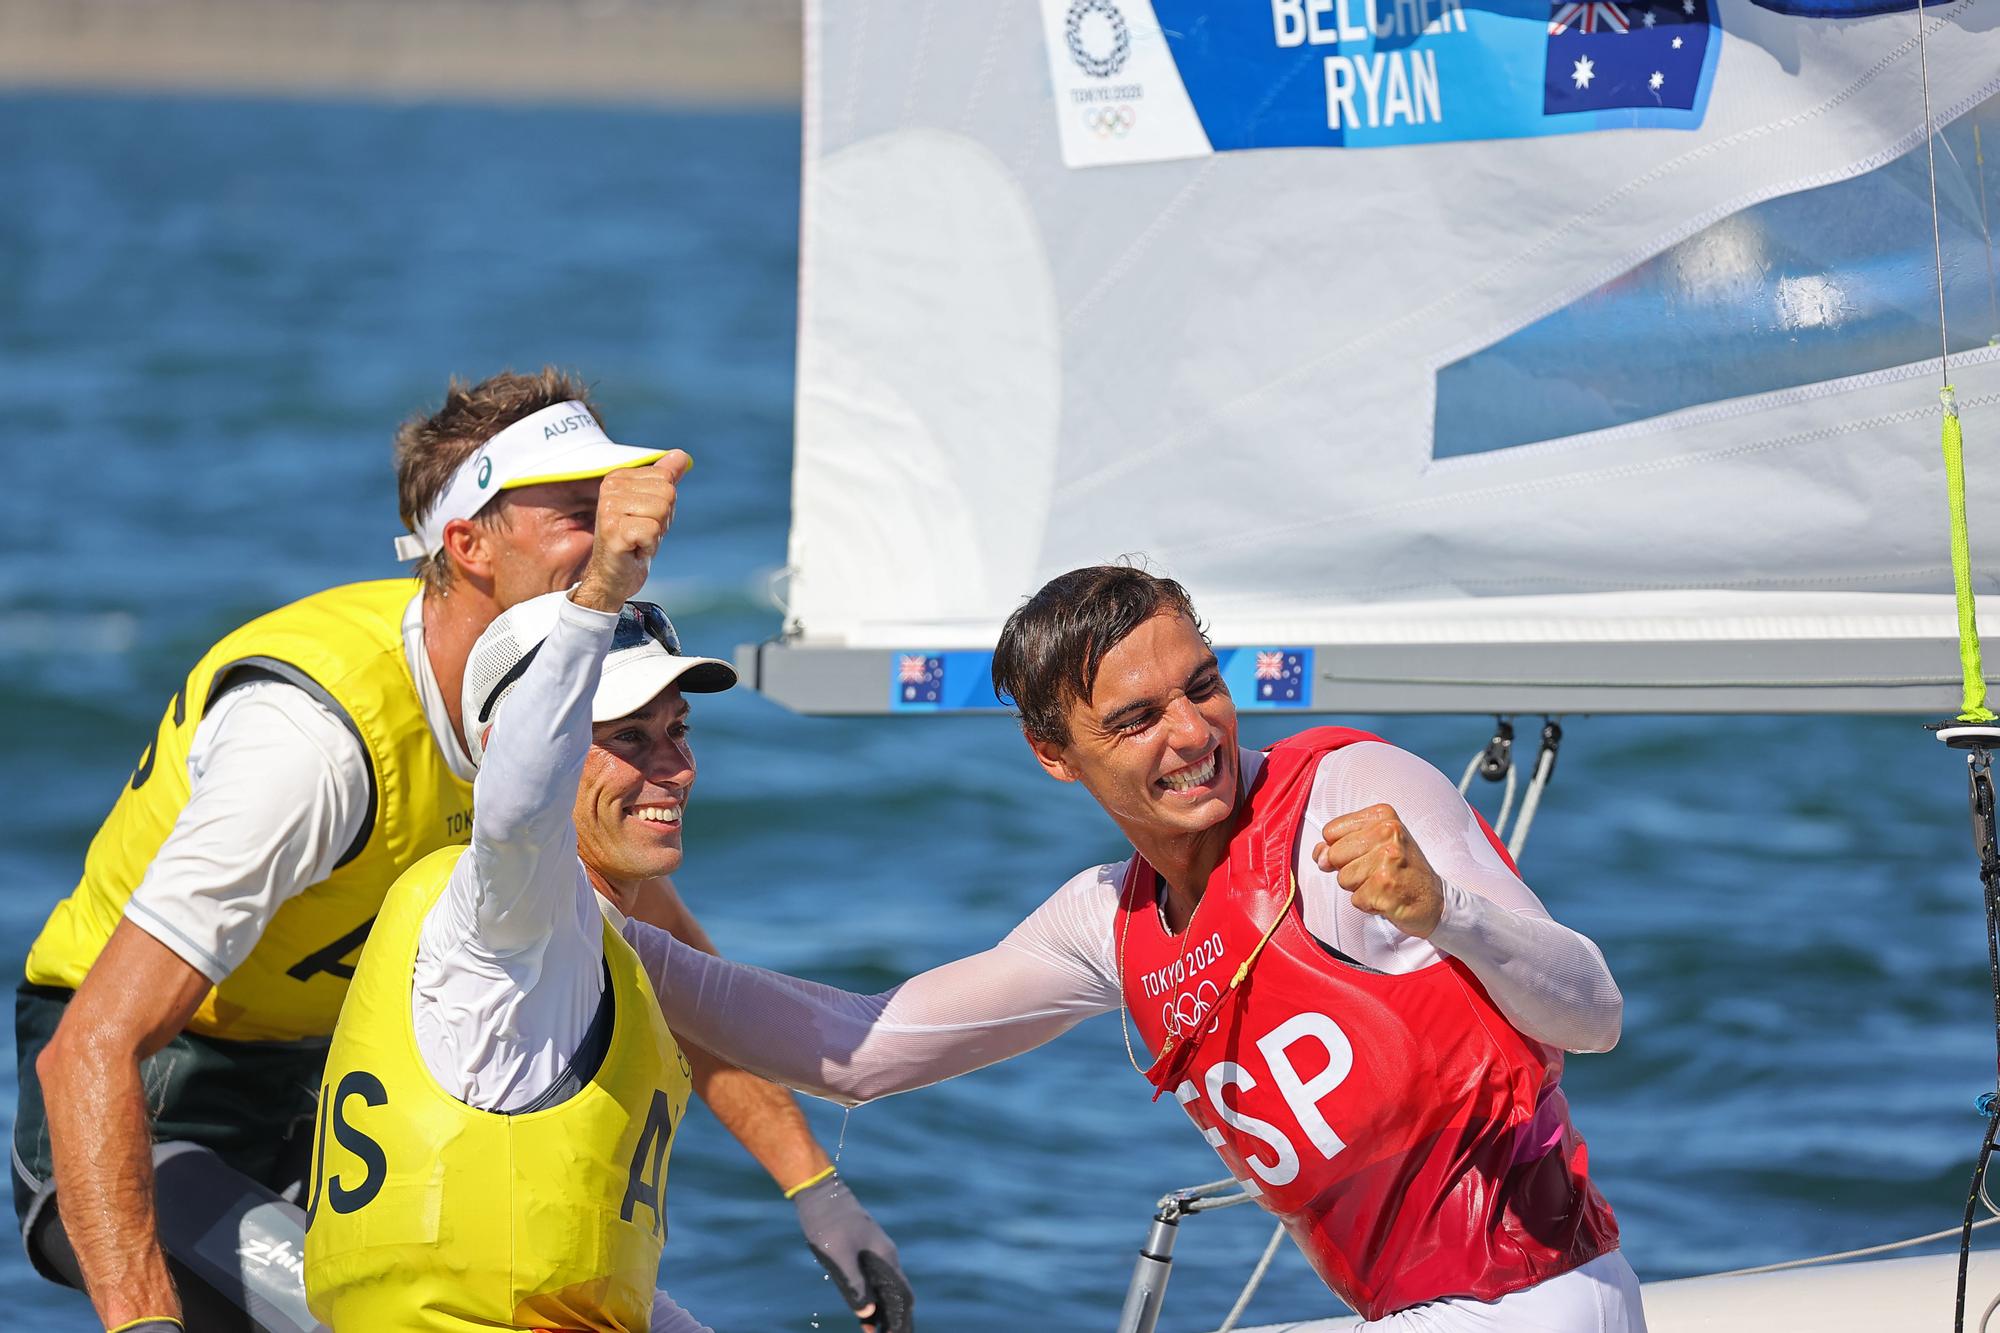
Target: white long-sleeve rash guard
[
  {"x": 1059, "y": 966},
  {"x": 510, "y": 960}
]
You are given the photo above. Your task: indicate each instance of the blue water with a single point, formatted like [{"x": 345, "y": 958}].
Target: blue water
[{"x": 212, "y": 315}]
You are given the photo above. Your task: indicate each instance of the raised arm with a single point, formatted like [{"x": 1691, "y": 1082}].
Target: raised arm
[
  {"x": 1550, "y": 981},
  {"x": 518, "y": 875},
  {"x": 523, "y": 834},
  {"x": 508, "y": 969},
  {"x": 1052, "y": 972}
]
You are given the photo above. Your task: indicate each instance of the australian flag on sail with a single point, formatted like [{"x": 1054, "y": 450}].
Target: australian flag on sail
[
  {"x": 1262, "y": 678},
  {"x": 1622, "y": 55},
  {"x": 955, "y": 680},
  {"x": 919, "y": 678},
  {"x": 1280, "y": 674}
]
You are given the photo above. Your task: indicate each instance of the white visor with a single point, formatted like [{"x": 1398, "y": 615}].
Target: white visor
[{"x": 560, "y": 443}]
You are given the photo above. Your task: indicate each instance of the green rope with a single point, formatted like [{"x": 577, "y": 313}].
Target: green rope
[{"x": 1975, "y": 709}]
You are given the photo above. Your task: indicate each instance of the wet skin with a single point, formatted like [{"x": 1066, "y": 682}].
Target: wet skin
[
  {"x": 544, "y": 538},
  {"x": 641, "y": 761},
  {"x": 1158, "y": 714}
]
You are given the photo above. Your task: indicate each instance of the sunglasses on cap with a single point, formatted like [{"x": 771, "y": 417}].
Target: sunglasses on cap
[
  {"x": 637, "y": 623},
  {"x": 640, "y": 621}
]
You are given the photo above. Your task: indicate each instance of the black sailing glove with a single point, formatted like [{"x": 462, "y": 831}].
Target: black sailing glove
[{"x": 858, "y": 1253}]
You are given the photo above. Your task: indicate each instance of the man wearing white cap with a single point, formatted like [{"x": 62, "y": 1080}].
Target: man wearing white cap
[
  {"x": 310, "y": 757},
  {"x": 502, "y": 1092}
]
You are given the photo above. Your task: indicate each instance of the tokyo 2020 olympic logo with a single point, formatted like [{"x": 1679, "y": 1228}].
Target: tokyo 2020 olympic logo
[{"x": 1099, "y": 40}]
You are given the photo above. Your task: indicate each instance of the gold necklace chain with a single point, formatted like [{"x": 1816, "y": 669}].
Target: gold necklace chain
[
  {"x": 1124, "y": 1007},
  {"x": 1187, "y": 935}
]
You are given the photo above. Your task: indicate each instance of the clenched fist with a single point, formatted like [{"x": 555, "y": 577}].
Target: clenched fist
[
  {"x": 635, "y": 506},
  {"x": 1378, "y": 861}
]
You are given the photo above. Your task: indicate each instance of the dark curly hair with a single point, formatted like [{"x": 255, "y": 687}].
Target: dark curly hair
[{"x": 1051, "y": 648}]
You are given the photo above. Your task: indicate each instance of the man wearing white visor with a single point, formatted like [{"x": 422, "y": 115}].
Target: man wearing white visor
[
  {"x": 311, "y": 756},
  {"x": 562, "y": 442},
  {"x": 500, "y": 980}
]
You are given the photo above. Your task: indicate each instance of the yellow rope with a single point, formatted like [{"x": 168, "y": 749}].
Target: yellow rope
[
  {"x": 1291, "y": 896},
  {"x": 1974, "y": 709},
  {"x": 1174, "y": 1039}
]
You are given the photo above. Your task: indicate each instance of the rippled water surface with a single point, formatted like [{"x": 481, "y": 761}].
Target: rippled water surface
[{"x": 213, "y": 314}]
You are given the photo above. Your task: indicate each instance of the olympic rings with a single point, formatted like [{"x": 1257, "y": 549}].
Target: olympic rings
[
  {"x": 1184, "y": 1012},
  {"x": 1110, "y": 122}
]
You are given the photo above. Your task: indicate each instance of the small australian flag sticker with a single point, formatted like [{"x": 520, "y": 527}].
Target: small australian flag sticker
[
  {"x": 1621, "y": 55},
  {"x": 919, "y": 677},
  {"x": 1280, "y": 675}
]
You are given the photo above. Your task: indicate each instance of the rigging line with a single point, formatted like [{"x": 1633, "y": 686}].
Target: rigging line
[
  {"x": 1986, "y": 231},
  {"x": 1986, "y": 837},
  {"x": 1930, "y": 154},
  {"x": 1965, "y": 1234},
  {"x": 1971, "y": 669},
  {"x": 1530, "y": 804},
  {"x": 1980, "y": 764},
  {"x": 1256, "y": 1278},
  {"x": 1545, "y": 768},
  {"x": 1506, "y": 804},
  {"x": 1862, "y": 1253}
]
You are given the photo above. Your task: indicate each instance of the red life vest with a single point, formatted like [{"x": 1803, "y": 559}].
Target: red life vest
[{"x": 1414, "y": 1143}]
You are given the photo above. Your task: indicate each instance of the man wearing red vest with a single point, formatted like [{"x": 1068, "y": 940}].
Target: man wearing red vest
[{"x": 1334, "y": 968}]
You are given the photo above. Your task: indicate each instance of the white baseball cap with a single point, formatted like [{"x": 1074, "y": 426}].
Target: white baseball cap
[
  {"x": 644, "y": 658},
  {"x": 559, "y": 443}
]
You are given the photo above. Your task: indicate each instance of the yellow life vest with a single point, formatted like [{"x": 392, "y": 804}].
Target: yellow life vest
[
  {"x": 430, "y": 1216},
  {"x": 345, "y": 647}
]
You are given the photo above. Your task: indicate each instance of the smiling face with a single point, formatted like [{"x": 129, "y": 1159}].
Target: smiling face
[
  {"x": 634, "y": 789},
  {"x": 542, "y": 540},
  {"x": 1156, "y": 741}
]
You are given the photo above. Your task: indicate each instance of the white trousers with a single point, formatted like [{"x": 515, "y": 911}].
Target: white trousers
[{"x": 1600, "y": 1297}]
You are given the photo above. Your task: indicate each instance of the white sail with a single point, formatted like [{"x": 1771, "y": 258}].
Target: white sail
[{"x": 1459, "y": 398}]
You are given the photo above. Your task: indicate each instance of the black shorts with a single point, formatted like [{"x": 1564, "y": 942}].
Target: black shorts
[{"x": 249, "y": 1101}]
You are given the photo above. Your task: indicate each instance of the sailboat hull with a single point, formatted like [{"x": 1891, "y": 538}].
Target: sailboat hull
[{"x": 1861, "y": 1297}]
